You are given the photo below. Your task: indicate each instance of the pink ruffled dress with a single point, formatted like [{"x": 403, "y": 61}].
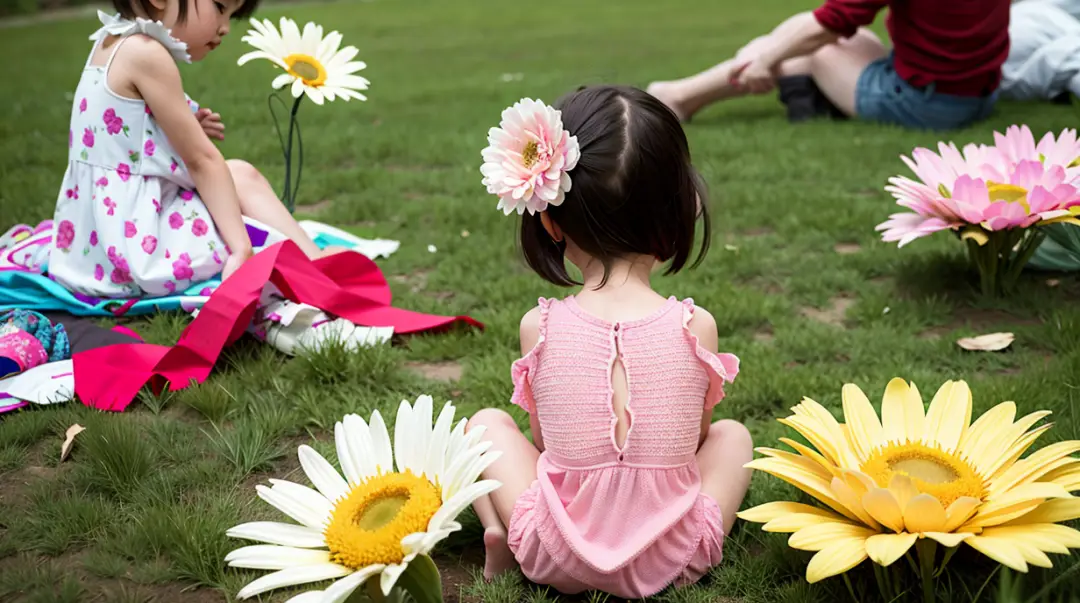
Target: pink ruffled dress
[{"x": 627, "y": 521}]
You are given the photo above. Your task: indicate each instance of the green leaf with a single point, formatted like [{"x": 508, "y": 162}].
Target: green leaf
[{"x": 422, "y": 581}]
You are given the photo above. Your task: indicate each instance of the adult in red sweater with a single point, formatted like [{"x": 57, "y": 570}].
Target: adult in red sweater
[{"x": 942, "y": 73}]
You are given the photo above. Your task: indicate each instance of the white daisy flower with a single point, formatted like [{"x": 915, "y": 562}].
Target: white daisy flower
[
  {"x": 313, "y": 64},
  {"x": 374, "y": 521}
]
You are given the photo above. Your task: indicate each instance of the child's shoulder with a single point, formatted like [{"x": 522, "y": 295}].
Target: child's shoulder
[
  {"x": 145, "y": 51},
  {"x": 703, "y": 325}
]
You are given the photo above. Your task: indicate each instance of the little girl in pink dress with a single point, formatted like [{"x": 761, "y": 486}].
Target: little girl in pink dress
[{"x": 627, "y": 486}]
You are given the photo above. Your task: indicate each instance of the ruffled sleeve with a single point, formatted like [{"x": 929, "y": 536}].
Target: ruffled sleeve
[
  {"x": 116, "y": 25},
  {"x": 721, "y": 367},
  {"x": 522, "y": 370}
]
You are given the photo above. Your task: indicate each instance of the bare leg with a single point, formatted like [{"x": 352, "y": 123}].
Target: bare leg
[
  {"x": 726, "y": 449},
  {"x": 691, "y": 94},
  {"x": 836, "y": 68},
  {"x": 516, "y": 469},
  {"x": 258, "y": 201}
]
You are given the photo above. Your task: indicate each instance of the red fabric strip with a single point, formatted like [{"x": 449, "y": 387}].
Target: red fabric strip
[{"x": 347, "y": 284}]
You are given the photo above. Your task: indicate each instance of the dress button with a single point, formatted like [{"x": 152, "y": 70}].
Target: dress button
[{"x": 622, "y": 457}]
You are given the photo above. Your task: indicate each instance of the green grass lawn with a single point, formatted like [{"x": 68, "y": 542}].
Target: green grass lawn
[{"x": 802, "y": 289}]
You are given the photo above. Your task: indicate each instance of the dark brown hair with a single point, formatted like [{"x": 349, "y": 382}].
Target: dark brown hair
[
  {"x": 634, "y": 190},
  {"x": 129, "y": 9}
]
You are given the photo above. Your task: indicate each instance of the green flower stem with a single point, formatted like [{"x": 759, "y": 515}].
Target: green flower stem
[
  {"x": 422, "y": 581},
  {"x": 927, "y": 550}
]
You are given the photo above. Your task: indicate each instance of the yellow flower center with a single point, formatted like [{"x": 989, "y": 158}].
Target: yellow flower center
[
  {"x": 530, "y": 154},
  {"x": 943, "y": 475},
  {"x": 1008, "y": 192},
  {"x": 366, "y": 527},
  {"x": 307, "y": 68}
]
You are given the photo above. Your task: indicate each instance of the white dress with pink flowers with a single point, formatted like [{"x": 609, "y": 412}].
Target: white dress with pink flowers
[{"x": 128, "y": 221}]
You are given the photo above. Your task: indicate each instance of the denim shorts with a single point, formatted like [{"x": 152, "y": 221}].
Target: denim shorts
[{"x": 883, "y": 96}]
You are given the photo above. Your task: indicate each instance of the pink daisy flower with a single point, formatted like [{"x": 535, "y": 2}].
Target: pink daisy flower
[{"x": 528, "y": 158}]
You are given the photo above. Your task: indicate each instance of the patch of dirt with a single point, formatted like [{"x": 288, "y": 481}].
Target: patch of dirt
[
  {"x": 760, "y": 231},
  {"x": 176, "y": 592},
  {"x": 764, "y": 335},
  {"x": 19, "y": 481},
  {"x": 437, "y": 371},
  {"x": 977, "y": 319},
  {"x": 847, "y": 248},
  {"x": 833, "y": 315},
  {"x": 315, "y": 208},
  {"x": 417, "y": 281}
]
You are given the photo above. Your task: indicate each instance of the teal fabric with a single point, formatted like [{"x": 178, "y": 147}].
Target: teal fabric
[{"x": 1060, "y": 252}]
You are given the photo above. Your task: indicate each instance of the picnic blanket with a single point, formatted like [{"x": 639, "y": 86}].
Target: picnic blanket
[{"x": 24, "y": 256}]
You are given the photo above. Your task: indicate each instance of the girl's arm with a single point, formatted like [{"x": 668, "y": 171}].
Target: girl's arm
[
  {"x": 156, "y": 78},
  {"x": 530, "y": 334},
  {"x": 703, "y": 325}
]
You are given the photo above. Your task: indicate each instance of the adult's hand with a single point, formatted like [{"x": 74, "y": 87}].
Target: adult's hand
[{"x": 757, "y": 77}]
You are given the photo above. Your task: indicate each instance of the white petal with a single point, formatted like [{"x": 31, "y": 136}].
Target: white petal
[
  {"x": 306, "y": 496},
  {"x": 292, "y": 507},
  {"x": 453, "y": 507},
  {"x": 311, "y": 596},
  {"x": 342, "y": 57},
  {"x": 358, "y": 435},
  {"x": 440, "y": 440},
  {"x": 281, "y": 81},
  {"x": 459, "y": 478},
  {"x": 322, "y": 474},
  {"x": 344, "y": 443},
  {"x": 293, "y": 576},
  {"x": 298, "y": 88},
  {"x": 390, "y": 576},
  {"x": 403, "y": 440},
  {"x": 285, "y": 534},
  {"x": 273, "y": 557},
  {"x": 345, "y": 587},
  {"x": 315, "y": 95},
  {"x": 421, "y": 434},
  {"x": 258, "y": 54},
  {"x": 380, "y": 444}
]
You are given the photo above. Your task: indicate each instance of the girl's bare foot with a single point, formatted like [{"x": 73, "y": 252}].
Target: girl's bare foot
[
  {"x": 668, "y": 93},
  {"x": 497, "y": 555}
]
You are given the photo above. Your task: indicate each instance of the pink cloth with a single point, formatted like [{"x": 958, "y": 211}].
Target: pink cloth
[{"x": 632, "y": 521}]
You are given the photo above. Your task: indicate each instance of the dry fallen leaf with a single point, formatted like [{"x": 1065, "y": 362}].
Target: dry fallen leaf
[
  {"x": 1053, "y": 282},
  {"x": 991, "y": 342},
  {"x": 731, "y": 247},
  {"x": 72, "y": 431},
  {"x": 464, "y": 234}
]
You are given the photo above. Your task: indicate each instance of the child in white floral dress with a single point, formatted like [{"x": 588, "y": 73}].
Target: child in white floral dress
[{"x": 149, "y": 205}]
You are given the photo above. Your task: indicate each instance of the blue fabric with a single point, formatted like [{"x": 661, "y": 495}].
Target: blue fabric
[
  {"x": 33, "y": 291},
  {"x": 883, "y": 96},
  {"x": 53, "y": 338}
]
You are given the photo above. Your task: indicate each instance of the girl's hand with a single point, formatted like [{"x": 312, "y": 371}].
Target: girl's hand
[
  {"x": 211, "y": 123},
  {"x": 234, "y": 262}
]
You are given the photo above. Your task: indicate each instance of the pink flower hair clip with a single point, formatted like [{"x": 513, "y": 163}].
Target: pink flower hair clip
[{"x": 529, "y": 157}]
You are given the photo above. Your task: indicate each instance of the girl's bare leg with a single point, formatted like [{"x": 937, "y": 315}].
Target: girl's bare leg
[
  {"x": 720, "y": 459},
  {"x": 258, "y": 201},
  {"x": 516, "y": 469}
]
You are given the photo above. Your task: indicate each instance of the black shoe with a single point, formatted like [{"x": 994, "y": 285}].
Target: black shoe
[{"x": 804, "y": 100}]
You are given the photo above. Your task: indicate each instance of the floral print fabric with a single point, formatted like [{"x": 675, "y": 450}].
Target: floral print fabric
[{"x": 128, "y": 220}]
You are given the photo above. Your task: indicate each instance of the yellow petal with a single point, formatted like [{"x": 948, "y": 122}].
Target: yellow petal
[
  {"x": 797, "y": 521},
  {"x": 959, "y": 512},
  {"x": 989, "y": 429},
  {"x": 1048, "y": 537},
  {"x": 949, "y": 415},
  {"x": 837, "y": 559},
  {"x": 1001, "y": 550},
  {"x": 882, "y": 506},
  {"x": 853, "y": 501},
  {"x": 821, "y": 536},
  {"x": 1011, "y": 446},
  {"x": 901, "y": 412},
  {"x": 1067, "y": 477},
  {"x": 826, "y": 438},
  {"x": 807, "y": 482},
  {"x": 803, "y": 462},
  {"x": 975, "y": 234},
  {"x": 923, "y": 513},
  {"x": 1001, "y": 515},
  {"x": 949, "y": 540},
  {"x": 1032, "y": 554},
  {"x": 813, "y": 455},
  {"x": 772, "y": 510},
  {"x": 884, "y": 549},
  {"x": 1051, "y": 511},
  {"x": 1035, "y": 466},
  {"x": 1033, "y": 491},
  {"x": 861, "y": 420},
  {"x": 859, "y": 481},
  {"x": 903, "y": 489}
]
